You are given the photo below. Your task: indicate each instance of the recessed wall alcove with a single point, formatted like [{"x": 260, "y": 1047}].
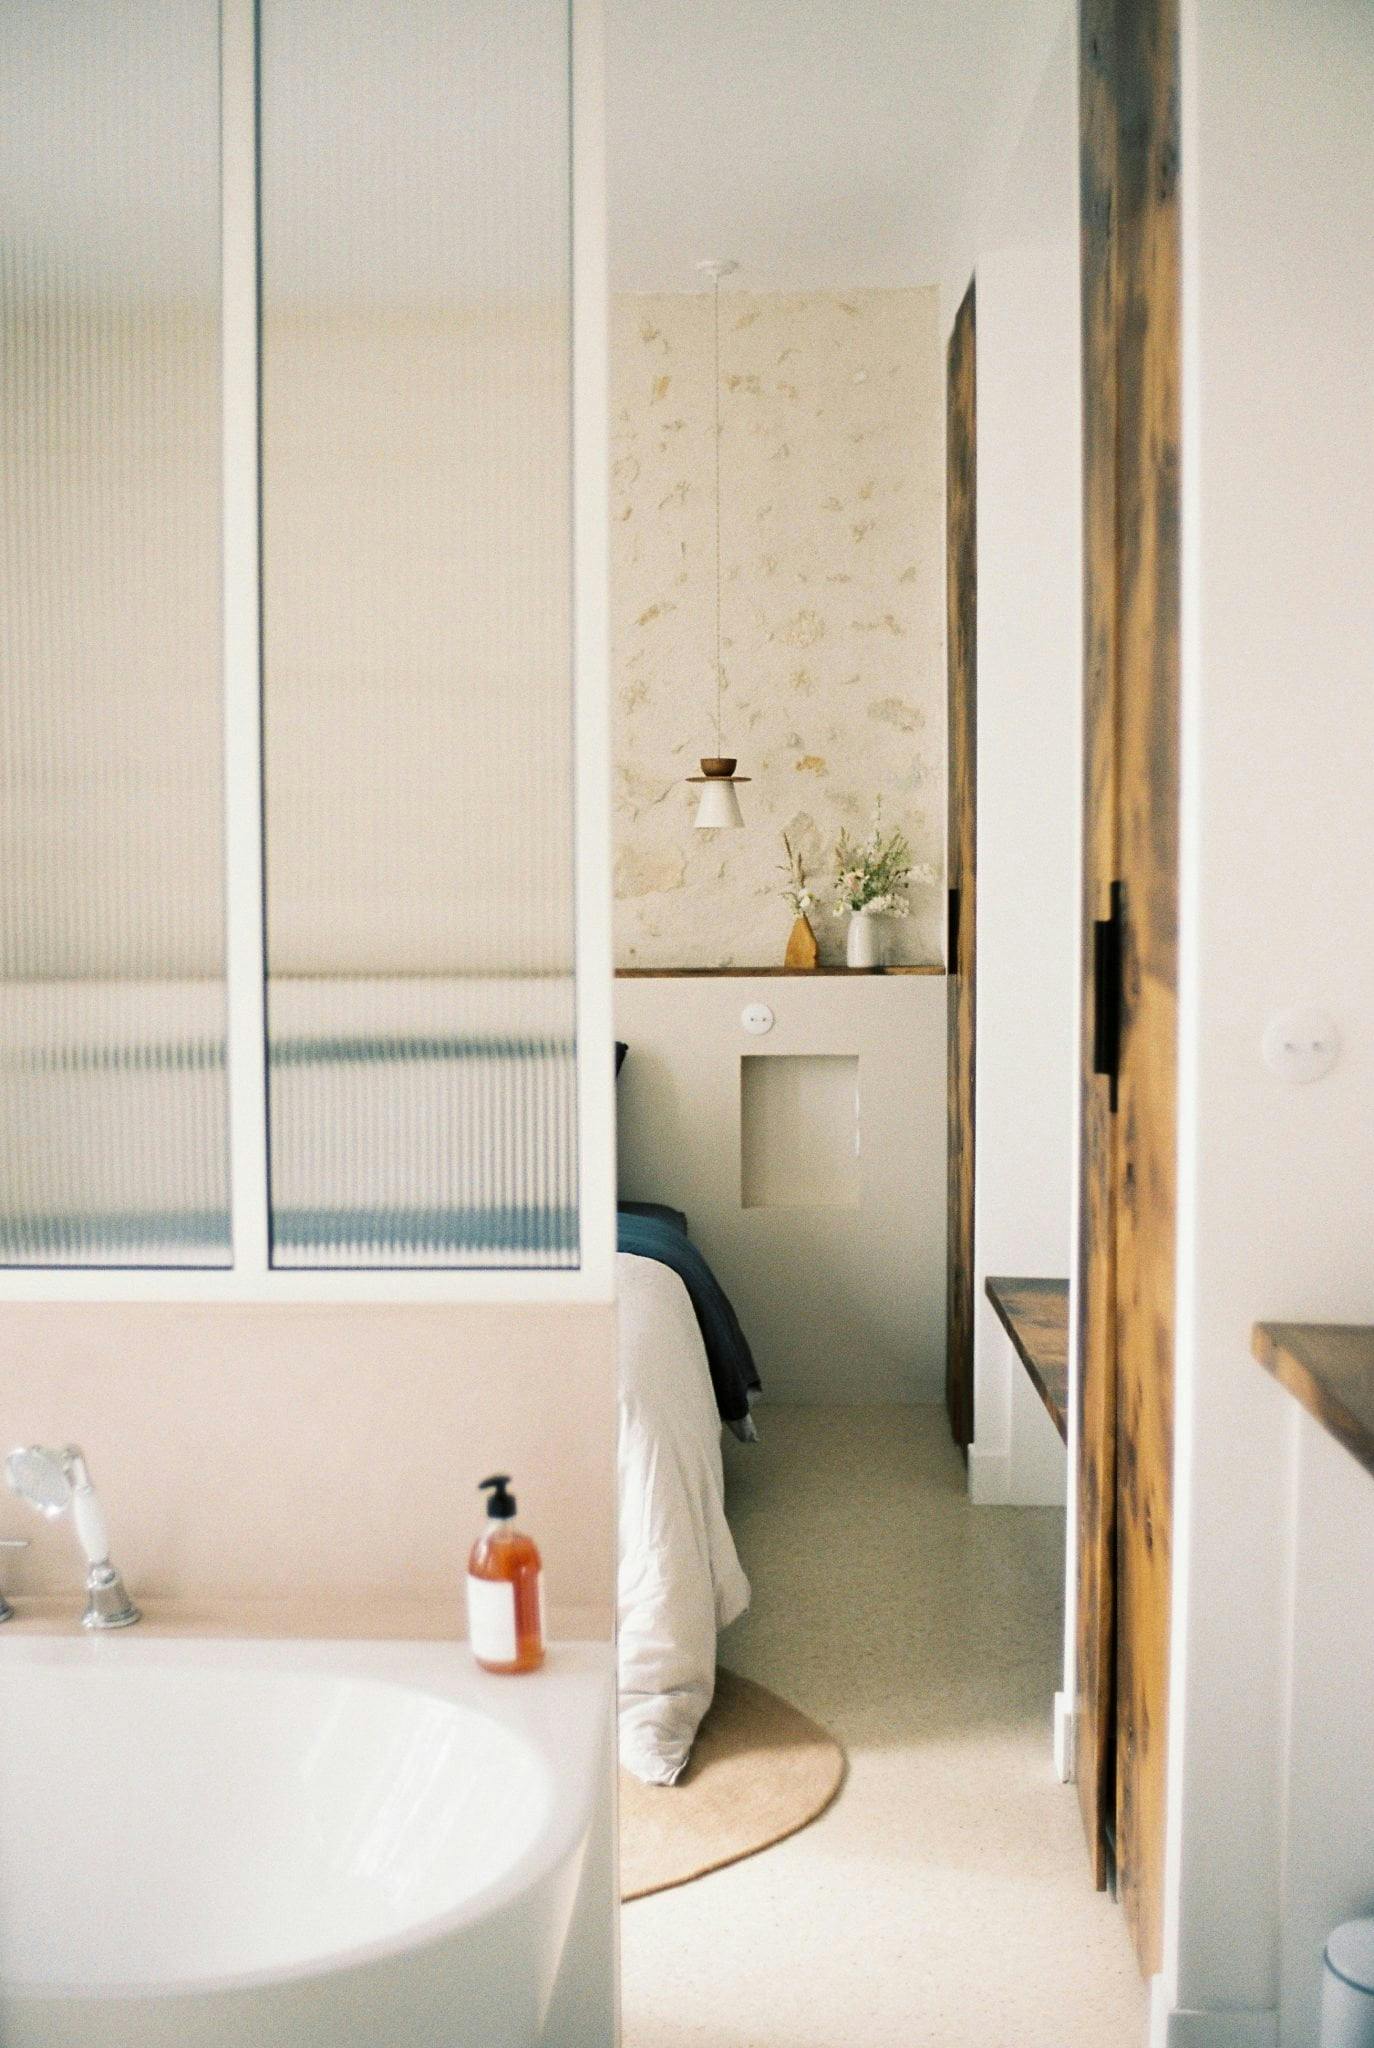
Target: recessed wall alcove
[{"x": 800, "y": 1131}]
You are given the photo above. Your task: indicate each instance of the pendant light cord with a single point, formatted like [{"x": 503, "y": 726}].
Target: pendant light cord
[{"x": 720, "y": 748}]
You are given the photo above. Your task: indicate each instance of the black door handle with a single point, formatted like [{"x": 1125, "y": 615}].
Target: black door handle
[{"x": 1108, "y": 937}]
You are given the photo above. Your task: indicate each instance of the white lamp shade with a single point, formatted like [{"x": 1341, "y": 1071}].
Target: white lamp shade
[{"x": 719, "y": 805}]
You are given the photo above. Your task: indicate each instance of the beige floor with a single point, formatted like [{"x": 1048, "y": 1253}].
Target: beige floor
[{"x": 943, "y": 1901}]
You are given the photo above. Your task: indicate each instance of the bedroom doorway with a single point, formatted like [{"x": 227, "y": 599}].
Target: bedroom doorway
[{"x": 794, "y": 452}]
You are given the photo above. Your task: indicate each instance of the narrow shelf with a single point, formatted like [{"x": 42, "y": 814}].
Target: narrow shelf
[
  {"x": 1035, "y": 1315},
  {"x": 1329, "y": 1367},
  {"x": 753, "y": 973}
]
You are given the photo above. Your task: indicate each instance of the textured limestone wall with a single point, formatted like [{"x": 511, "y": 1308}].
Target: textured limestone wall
[{"x": 832, "y": 606}]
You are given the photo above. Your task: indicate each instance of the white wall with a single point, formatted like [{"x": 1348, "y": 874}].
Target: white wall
[
  {"x": 840, "y": 1303},
  {"x": 1035, "y": 1472},
  {"x": 1270, "y": 1844},
  {"x": 1029, "y": 720},
  {"x": 1019, "y": 47},
  {"x": 1329, "y": 1808}
]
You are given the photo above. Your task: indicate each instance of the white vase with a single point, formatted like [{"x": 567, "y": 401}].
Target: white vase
[{"x": 863, "y": 946}]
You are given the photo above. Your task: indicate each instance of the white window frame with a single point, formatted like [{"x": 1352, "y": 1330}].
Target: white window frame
[{"x": 251, "y": 1277}]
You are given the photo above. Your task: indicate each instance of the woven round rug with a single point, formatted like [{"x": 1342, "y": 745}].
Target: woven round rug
[{"x": 760, "y": 1769}]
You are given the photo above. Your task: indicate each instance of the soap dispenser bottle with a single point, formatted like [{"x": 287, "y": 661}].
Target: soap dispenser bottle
[{"x": 505, "y": 1589}]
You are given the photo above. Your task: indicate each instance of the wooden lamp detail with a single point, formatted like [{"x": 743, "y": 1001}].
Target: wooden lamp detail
[{"x": 719, "y": 805}]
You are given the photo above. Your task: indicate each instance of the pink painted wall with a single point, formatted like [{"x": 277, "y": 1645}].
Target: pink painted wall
[{"x": 253, "y": 1452}]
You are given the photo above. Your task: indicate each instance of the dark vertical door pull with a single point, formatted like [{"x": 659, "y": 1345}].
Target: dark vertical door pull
[
  {"x": 1107, "y": 993},
  {"x": 952, "y": 934}
]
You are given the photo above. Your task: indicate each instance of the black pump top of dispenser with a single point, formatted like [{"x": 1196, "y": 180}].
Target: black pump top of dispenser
[{"x": 501, "y": 1506}]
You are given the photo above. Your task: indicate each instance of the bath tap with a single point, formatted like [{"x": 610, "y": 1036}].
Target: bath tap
[
  {"x": 10, "y": 1543},
  {"x": 53, "y": 1481}
]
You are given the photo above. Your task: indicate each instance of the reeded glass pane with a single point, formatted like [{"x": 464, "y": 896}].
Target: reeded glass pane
[
  {"x": 112, "y": 947},
  {"x": 417, "y": 621}
]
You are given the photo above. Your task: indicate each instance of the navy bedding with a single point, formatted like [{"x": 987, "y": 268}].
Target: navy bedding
[{"x": 650, "y": 1231}]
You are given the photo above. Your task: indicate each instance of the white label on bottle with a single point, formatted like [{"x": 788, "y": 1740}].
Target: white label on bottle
[{"x": 491, "y": 1619}]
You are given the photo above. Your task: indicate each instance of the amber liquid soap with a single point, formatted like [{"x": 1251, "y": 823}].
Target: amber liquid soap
[{"x": 505, "y": 1590}]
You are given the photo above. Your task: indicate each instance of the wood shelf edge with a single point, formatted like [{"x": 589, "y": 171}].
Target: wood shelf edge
[
  {"x": 1328, "y": 1368},
  {"x": 1048, "y": 1372}
]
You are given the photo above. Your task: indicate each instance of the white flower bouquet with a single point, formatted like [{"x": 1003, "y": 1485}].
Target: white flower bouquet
[{"x": 873, "y": 876}]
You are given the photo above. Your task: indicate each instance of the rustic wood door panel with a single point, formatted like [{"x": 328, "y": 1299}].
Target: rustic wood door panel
[
  {"x": 1095, "y": 1621},
  {"x": 962, "y": 602},
  {"x": 1147, "y": 781},
  {"x": 1129, "y": 115}
]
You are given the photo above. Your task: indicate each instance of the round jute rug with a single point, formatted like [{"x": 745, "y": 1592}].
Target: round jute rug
[{"x": 759, "y": 1771}]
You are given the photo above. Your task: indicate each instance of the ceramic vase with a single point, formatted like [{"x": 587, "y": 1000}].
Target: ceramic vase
[
  {"x": 863, "y": 942},
  {"x": 801, "y": 945}
]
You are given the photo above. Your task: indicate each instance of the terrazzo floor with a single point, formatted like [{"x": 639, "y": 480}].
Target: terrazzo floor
[{"x": 943, "y": 1901}]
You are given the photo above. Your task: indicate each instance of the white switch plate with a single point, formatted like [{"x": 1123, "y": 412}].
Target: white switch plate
[
  {"x": 756, "y": 1017},
  {"x": 1301, "y": 1045}
]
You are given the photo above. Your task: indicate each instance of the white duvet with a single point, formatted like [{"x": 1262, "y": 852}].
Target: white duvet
[{"x": 680, "y": 1579}]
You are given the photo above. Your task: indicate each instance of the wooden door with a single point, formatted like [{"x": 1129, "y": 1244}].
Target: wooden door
[
  {"x": 1095, "y": 1696},
  {"x": 961, "y": 595},
  {"x": 1129, "y": 115}
]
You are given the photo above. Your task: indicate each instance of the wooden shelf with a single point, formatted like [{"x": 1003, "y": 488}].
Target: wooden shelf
[
  {"x": 1329, "y": 1367},
  {"x": 1035, "y": 1315},
  {"x": 753, "y": 973}
]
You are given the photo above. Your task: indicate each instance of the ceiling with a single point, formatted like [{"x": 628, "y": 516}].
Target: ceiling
[{"x": 824, "y": 143}]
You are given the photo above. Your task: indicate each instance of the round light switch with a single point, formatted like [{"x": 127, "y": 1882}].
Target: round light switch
[
  {"x": 1301, "y": 1045},
  {"x": 756, "y": 1017}
]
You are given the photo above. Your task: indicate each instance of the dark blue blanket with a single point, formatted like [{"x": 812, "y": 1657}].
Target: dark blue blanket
[{"x": 653, "y": 1232}]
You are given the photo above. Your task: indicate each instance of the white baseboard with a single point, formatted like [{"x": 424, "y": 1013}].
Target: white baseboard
[
  {"x": 989, "y": 1476},
  {"x": 1183, "y": 2029},
  {"x": 997, "y": 1480},
  {"x": 1065, "y": 1733}
]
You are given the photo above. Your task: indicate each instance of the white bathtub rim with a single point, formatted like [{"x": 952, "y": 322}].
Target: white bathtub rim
[{"x": 414, "y": 1666}]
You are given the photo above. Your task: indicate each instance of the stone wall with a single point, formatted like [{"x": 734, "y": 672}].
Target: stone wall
[{"x": 832, "y": 607}]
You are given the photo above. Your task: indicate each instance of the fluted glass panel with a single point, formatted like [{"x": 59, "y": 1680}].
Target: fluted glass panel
[
  {"x": 417, "y": 623},
  {"x": 112, "y": 946}
]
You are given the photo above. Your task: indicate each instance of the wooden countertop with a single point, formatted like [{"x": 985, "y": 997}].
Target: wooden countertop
[
  {"x": 1035, "y": 1315},
  {"x": 752, "y": 973},
  {"x": 1329, "y": 1367}
]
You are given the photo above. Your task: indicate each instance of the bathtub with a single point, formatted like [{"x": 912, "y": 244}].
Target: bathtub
[{"x": 238, "y": 1844}]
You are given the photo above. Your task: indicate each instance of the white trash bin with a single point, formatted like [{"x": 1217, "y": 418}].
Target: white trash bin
[{"x": 1348, "y": 1987}]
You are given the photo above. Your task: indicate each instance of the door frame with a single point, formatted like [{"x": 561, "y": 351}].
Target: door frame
[{"x": 961, "y": 597}]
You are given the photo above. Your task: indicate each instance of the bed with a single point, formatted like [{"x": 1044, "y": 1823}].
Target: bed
[{"x": 685, "y": 1368}]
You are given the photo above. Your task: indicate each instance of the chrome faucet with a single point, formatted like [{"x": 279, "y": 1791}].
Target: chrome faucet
[
  {"x": 52, "y": 1482},
  {"x": 10, "y": 1543}
]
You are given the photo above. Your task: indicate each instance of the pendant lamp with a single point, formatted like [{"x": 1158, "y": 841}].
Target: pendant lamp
[{"x": 719, "y": 806}]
